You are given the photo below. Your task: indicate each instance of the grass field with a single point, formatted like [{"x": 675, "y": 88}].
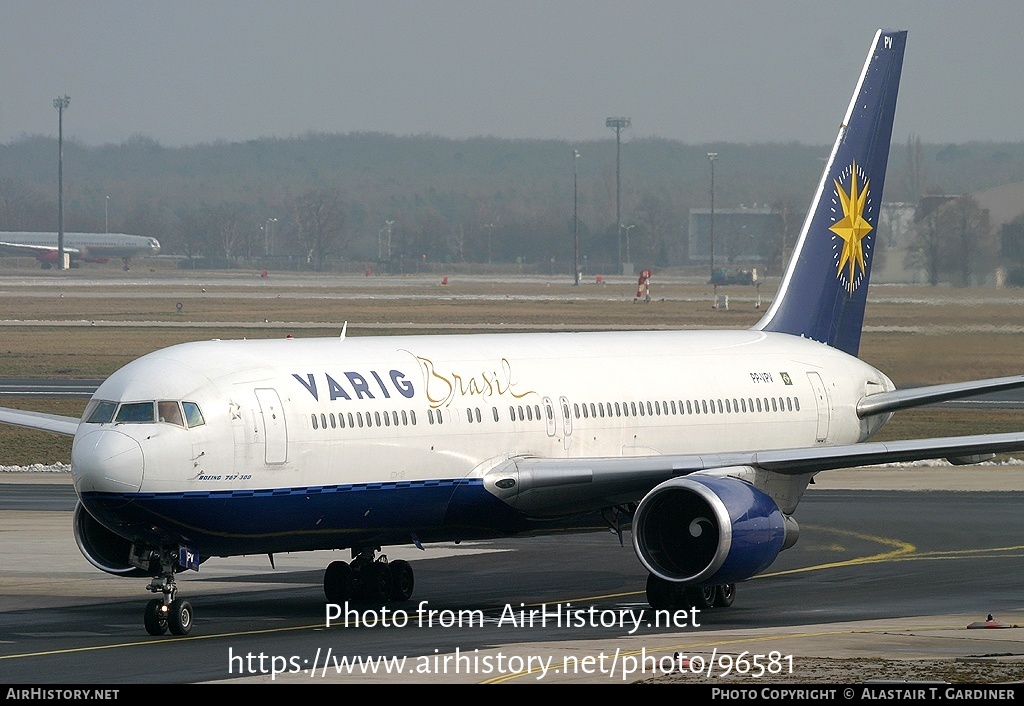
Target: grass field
[{"x": 87, "y": 327}]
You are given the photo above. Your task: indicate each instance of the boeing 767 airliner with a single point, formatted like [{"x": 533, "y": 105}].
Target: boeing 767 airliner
[{"x": 221, "y": 448}]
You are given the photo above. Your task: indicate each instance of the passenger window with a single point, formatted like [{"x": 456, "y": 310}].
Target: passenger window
[
  {"x": 796, "y": 403},
  {"x": 477, "y": 410},
  {"x": 193, "y": 415},
  {"x": 135, "y": 412},
  {"x": 334, "y": 423},
  {"x": 102, "y": 413},
  {"x": 313, "y": 418},
  {"x": 494, "y": 410}
]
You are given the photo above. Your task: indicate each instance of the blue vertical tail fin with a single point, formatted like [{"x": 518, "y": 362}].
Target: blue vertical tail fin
[{"x": 824, "y": 290}]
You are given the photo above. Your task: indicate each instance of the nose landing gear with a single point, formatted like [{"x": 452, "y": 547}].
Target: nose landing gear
[{"x": 167, "y": 612}]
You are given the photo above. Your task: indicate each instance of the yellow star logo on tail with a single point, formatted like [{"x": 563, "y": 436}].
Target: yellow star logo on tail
[{"x": 852, "y": 228}]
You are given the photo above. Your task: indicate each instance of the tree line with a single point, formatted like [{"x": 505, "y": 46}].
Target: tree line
[{"x": 325, "y": 201}]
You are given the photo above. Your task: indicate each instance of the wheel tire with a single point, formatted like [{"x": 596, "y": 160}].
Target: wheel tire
[
  {"x": 179, "y": 620},
  {"x": 661, "y": 595},
  {"x": 374, "y": 584},
  {"x": 402, "y": 580},
  {"x": 339, "y": 582},
  {"x": 155, "y": 623},
  {"x": 725, "y": 595},
  {"x": 702, "y": 597}
]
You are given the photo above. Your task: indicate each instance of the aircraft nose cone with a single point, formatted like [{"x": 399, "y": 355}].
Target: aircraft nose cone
[{"x": 107, "y": 461}]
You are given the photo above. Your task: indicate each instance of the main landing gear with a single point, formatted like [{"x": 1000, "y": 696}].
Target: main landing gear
[
  {"x": 369, "y": 579},
  {"x": 167, "y": 612},
  {"x": 665, "y": 595}
]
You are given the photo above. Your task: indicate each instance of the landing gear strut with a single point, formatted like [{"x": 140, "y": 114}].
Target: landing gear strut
[
  {"x": 368, "y": 578},
  {"x": 167, "y": 612},
  {"x": 666, "y": 595}
]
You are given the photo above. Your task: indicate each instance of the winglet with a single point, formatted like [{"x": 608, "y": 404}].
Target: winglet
[{"x": 824, "y": 291}]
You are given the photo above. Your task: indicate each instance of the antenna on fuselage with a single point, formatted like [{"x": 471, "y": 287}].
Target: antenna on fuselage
[{"x": 344, "y": 327}]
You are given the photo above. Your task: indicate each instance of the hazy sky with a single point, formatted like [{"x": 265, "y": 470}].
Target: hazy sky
[{"x": 187, "y": 72}]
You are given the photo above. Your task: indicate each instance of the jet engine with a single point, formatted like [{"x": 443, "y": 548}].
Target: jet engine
[
  {"x": 709, "y": 530},
  {"x": 104, "y": 549}
]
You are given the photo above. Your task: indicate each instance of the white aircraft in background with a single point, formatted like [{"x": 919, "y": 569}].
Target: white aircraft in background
[
  {"x": 701, "y": 442},
  {"x": 80, "y": 247}
]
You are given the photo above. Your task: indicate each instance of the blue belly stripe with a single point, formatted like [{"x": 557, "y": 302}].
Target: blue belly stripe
[{"x": 243, "y": 521}]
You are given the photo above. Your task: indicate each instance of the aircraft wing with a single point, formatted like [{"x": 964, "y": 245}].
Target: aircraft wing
[
  {"x": 547, "y": 485},
  {"x": 32, "y": 250},
  {"x": 53, "y": 423},
  {"x": 917, "y": 396}
]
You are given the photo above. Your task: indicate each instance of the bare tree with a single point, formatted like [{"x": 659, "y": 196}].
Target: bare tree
[
  {"x": 22, "y": 209},
  {"x": 971, "y": 246},
  {"x": 925, "y": 250},
  {"x": 317, "y": 217},
  {"x": 915, "y": 169},
  {"x": 955, "y": 239}
]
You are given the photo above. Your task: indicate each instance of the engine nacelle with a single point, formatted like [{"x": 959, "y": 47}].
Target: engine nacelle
[
  {"x": 707, "y": 530},
  {"x": 104, "y": 549}
]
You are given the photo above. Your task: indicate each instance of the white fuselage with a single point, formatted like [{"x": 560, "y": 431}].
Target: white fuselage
[
  {"x": 87, "y": 246},
  {"x": 308, "y": 413}
]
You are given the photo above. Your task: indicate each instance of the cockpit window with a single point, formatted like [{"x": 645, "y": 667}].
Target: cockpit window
[
  {"x": 170, "y": 412},
  {"x": 193, "y": 415},
  {"x": 135, "y": 412},
  {"x": 100, "y": 412}
]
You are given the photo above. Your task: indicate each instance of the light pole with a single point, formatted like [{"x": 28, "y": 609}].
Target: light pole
[
  {"x": 712, "y": 156},
  {"x": 388, "y": 224},
  {"x": 268, "y": 250},
  {"x": 61, "y": 104},
  {"x": 575, "y": 223},
  {"x": 628, "y": 228},
  {"x": 490, "y": 234},
  {"x": 618, "y": 124},
  {"x": 106, "y": 218}
]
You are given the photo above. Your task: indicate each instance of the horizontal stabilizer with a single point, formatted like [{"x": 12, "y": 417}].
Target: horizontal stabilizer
[{"x": 917, "y": 396}]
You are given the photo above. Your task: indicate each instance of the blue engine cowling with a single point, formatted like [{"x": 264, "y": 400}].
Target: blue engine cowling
[{"x": 708, "y": 530}]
